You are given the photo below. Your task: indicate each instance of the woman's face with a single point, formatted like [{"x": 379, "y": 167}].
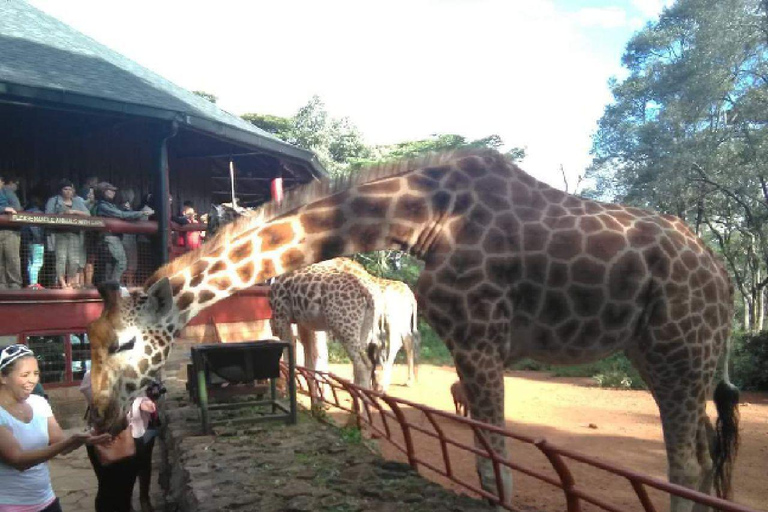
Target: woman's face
[
  {"x": 23, "y": 378},
  {"x": 67, "y": 192},
  {"x": 91, "y": 196},
  {"x": 109, "y": 194}
]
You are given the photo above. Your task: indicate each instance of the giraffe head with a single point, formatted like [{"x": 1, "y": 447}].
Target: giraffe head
[{"x": 129, "y": 343}]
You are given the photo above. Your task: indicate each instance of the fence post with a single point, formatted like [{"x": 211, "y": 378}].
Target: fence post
[
  {"x": 566, "y": 478},
  {"x": 406, "y": 430}
]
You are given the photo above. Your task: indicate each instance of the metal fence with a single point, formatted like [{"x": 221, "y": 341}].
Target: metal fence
[{"x": 386, "y": 417}]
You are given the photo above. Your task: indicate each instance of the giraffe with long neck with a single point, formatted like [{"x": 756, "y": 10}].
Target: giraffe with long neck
[{"x": 513, "y": 268}]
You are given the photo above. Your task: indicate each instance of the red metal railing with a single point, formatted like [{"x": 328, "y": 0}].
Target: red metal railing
[{"x": 382, "y": 414}]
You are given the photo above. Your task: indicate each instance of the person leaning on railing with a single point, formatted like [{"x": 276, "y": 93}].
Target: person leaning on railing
[
  {"x": 112, "y": 243},
  {"x": 33, "y": 237},
  {"x": 10, "y": 239},
  {"x": 68, "y": 245}
]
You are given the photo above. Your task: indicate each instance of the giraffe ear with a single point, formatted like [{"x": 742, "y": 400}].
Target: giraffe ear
[
  {"x": 160, "y": 298},
  {"x": 110, "y": 294}
]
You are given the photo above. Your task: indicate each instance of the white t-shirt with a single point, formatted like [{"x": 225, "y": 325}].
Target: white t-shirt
[{"x": 32, "y": 486}]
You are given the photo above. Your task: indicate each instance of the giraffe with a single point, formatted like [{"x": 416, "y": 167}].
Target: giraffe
[
  {"x": 321, "y": 297},
  {"x": 397, "y": 319},
  {"x": 513, "y": 268},
  {"x": 399, "y": 324},
  {"x": 371, "y": 317}
]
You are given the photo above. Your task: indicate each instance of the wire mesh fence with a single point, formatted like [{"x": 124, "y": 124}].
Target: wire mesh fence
[{"x": 56, "y": 252}]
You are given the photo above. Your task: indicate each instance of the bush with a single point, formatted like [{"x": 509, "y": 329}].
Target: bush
[
  {"x": 433, "y": 350},
  {"x": 749, "y": 358},
  {"x": 614, "y": 372},
  {"x": 337, "y": 354}
]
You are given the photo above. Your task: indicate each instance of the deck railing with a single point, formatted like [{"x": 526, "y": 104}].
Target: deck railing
[
  {"x": 137, "y": 238},
  {"x": 384, "y": 416}
]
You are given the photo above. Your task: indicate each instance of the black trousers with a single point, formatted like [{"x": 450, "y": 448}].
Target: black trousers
[
  {"x": 53, "y": 507},
  {"x": 116, "y": 482}
]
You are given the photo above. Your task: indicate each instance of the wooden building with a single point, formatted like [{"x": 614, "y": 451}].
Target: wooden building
[{"x": 72, "y": 108}]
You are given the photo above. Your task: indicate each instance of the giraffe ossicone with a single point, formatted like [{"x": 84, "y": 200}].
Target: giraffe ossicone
[{"x": 513, "y": 268}]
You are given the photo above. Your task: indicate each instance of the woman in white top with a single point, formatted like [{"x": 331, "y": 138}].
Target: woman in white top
[{"x": 29, "y": 436}]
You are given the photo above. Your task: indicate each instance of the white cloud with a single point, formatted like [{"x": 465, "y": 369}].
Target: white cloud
[
  {"x": 651, "y": 8},
  {"x": 398, "y": 69},
  {"x": 608, "y": 17}
]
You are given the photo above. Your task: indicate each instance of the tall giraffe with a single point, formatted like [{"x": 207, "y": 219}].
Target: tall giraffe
[{"x": 513, "y": 268}]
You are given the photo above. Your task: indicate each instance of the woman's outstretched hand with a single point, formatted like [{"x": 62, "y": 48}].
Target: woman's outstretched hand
[{"x": 75, "y": 441}]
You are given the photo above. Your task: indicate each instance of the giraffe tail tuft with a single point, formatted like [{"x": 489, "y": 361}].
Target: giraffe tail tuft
[{"x": 726, "y": 444}]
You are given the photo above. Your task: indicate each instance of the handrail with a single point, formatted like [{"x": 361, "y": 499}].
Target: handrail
[
  {"x": 91, "y": 223},
  {"x": 574, "y": 494}
]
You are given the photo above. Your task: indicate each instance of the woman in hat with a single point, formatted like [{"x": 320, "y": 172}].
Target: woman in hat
[
  {"x": 112, "y": 243},
  {"x": 29, "y": 436}
]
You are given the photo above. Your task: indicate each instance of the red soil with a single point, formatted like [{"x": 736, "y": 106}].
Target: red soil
[{"x": 621, "y": 427}]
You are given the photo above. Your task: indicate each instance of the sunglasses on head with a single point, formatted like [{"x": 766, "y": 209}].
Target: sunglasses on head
[{"x": 12, "y": 352}]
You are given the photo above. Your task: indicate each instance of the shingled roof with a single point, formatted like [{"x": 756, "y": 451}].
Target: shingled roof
[{"x": 43, "y": 59}]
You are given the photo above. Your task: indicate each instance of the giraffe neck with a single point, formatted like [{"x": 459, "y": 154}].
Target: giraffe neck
[
  {"x": 406, "y": 210},
  {"x": 310, "y": 235}
]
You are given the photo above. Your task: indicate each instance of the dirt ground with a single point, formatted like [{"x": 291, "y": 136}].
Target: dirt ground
[{"x": 616, "y": 426}]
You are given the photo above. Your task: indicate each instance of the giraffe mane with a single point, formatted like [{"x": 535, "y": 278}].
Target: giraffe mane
[{"x": 302, "y": 195}]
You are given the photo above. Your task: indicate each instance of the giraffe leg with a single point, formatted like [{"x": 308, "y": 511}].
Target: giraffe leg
[
  {"x": 411, "y": 344},
  {"x": 684, "y": 423},
  {"x": 483, "y": 381},
  {"x": 392, "y": 348},
  {"x": 705, "y": 437},
  {"x": 309, "y": 341},
  {"x": 319, "y": 355}
]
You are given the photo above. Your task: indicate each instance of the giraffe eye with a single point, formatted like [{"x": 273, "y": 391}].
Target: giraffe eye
[{"x": 114, "y": 349}]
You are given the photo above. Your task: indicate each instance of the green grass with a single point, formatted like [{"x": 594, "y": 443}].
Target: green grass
[
  {"x": 351, "y": 434},
  {"x": 433, "y": 350}
]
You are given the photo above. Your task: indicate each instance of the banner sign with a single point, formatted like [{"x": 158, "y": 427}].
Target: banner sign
[{"x": 58, "y": 220}]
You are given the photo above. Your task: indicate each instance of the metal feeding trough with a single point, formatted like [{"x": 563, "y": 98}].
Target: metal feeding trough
[{"x": 242, "y": 364}]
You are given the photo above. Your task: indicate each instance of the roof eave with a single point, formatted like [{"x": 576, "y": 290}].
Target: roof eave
[{"x": 40, "y": 95}]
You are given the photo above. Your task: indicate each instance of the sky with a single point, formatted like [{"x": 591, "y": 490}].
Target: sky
[{"x": 534, "y": 72}]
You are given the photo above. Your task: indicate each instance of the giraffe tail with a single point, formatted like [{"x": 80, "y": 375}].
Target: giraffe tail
[{"x": 726, "y": 443}]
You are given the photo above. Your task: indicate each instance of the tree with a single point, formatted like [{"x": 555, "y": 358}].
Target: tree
[
  {"x": 210, "y": 97},
  {"x": 278, "y": 126},
  {"x": 337, "y": 142},
  {"x": 687, "y": 132}
]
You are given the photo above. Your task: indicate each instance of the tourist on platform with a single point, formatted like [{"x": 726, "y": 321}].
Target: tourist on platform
[
  {"x": 112, "y": 245},
  {"x": 30, "y": 436},
  {"x": 124, "y": 201},
  {"x": 33, "y": 238},
  {"x": 68, "y": 244},
  {"x": 188, "y": 239},
  {"x": 10, "y": 239},
  {"x": 88, "y": 193}
]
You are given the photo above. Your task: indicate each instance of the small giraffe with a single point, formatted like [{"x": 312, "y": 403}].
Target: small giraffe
[
  {"x": 360, "y": 310},
  {"x": 513, "y": 268},
  {"x": 397, "y": 318},
  {"x": 321, "y": 297}
]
